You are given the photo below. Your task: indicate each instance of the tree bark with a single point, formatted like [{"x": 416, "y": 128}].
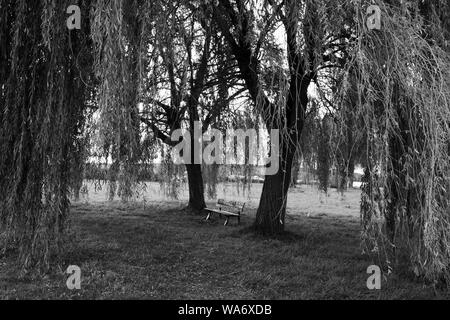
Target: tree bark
[
  {"x": 271, "y": 214},
  {"x": 196, "y": 187}
]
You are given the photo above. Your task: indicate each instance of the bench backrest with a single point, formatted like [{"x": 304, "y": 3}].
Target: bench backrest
[{"x": 238, "y": 206}]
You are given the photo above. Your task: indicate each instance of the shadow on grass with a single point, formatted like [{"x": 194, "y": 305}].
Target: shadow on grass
[{"x": 164, "y": 252}]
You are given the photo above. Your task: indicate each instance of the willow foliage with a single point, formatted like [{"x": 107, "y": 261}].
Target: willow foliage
[
  {"x": 42, "y": 103},
  {"x": 399, "y": 78},
  {"x": 117, "y": 31},
  {"x": 402, "y": 77}
]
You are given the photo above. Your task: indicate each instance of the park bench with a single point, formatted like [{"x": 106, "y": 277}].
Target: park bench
[{"x": 234, "y": 210}]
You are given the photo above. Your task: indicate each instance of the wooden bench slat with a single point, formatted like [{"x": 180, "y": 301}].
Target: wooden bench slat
[
  {"x": 234, "y": 204},
  {"x": 225, "y": 213},
  {"x": 239, "y": 206}
]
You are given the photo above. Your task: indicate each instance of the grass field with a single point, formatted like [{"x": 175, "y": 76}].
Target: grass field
[
  {"x": 160, "y": 251},
  {"x": 301, "y": 200}
]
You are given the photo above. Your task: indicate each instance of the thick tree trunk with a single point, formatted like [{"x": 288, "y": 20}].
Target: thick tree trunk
[
  {"x": 271, "y": 214},
  {"x": 196, "y": 187}
]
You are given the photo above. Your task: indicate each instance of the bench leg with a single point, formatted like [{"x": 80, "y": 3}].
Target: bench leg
[
  {"x": 226, "y": 222},
  {"x": 208, "y": 217}
]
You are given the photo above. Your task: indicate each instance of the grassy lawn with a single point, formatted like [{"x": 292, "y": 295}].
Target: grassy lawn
[{"x": 161, "y": 251}]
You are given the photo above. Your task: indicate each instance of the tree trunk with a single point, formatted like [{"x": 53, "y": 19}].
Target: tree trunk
[
  {"x": 196, "y": 187},
  {"x": 295, "y": 171},
  {"x": 351, "y": 171},
  {"x": 271, "y": 214}
]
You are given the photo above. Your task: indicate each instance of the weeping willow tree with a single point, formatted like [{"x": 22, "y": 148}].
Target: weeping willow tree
[
  {"x": 43, "y": 93},
  {"x": 117, "y": 32},
  {"x": 313, "y": 31},
  {"x": 402, "y": 77},
  {"x": 189, "y": 81},
  {"x": 179, "y": 62}
]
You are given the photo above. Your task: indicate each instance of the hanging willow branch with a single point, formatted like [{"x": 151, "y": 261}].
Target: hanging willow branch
[
  {"x": 402, "y": 81},
  {"x": 43, "y": 113},
  {"x": 116, "y": 32}
]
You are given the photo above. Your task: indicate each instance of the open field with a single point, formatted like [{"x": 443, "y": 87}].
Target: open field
[
  {"x": 301, "y": 200},
  {"x": 157, "y": 250}
]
